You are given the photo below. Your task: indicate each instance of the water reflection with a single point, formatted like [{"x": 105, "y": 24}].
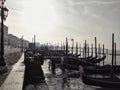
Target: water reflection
[
  {"x": 72, "y": 84},
  {"x": 70, "y": 80}
]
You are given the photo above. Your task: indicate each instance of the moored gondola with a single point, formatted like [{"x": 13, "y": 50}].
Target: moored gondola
[
  {"x": 111, "y": 82},
  {"x": 96, "y": 78},
  {"x": 103, "y": 70}
]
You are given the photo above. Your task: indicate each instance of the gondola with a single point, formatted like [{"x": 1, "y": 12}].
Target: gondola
[
  {"x": 111, "y": 79},
  {"x": 72, "y": 63},
  {"x": 111, "y": 82},
  {"x": 95, "y": 60},
  {"x": 106, "y": 69}
]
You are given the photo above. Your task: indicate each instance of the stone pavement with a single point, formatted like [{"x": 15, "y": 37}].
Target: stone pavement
[{"x": 14, "y": 81}]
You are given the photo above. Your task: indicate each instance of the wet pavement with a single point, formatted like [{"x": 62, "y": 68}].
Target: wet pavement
[{"x": 14, "y": 80}]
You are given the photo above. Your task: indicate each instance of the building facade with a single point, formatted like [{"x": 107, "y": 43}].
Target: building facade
[{"x": 11, "y": 40}]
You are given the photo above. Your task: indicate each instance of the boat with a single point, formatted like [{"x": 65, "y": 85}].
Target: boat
[
  {"x": 111, "y": 82},
  {"x": 111, "y": 79},
  {"x": 103, "y": 70},
  {"x": 74, "y": 63}
]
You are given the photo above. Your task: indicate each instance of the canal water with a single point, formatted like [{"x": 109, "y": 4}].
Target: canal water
[{"x": 61, "y": 81}]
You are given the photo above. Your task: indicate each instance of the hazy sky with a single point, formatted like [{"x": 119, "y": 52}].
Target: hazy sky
[{"x": 53, "y": 20}]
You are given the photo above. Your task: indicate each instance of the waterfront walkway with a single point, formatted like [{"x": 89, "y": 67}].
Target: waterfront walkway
[{"x": 14, "y": 80}]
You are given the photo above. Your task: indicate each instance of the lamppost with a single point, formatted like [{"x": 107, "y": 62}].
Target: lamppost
[
  {"x": 4, "y": 14},
  {"x": 22, "y": 46}
]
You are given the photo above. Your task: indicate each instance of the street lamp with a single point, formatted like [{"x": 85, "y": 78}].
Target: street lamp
[
  {"x": 22, "y": 44},
  {"x": 4, "y": 14}
]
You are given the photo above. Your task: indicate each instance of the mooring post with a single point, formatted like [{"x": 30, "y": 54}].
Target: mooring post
[
  {"x": 112, "y": 49},
  {"x": 53, "y": 66},
  {"x": 85, "y": 47},
  {"x": 112, "y": 71},
  {"x": 91, "y": 49},
  {"x": 103, "y": 54},
  {"x": 88, "y": 49},
  {"x": 62, "y": 65},
  {"x": 95, "y": 46},
  {"x": 115, "y": 54},
  {"x": 80, "y": 49}
]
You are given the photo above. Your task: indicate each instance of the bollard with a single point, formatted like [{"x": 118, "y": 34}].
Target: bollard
[
  {"x": 53, "y": 67},
  {"x": 62, "y": 66}
]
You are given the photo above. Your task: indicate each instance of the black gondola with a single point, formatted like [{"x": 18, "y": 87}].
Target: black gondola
[
  {"x": 111, "y": 82},
  {"x": 106, "y": 69}
]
